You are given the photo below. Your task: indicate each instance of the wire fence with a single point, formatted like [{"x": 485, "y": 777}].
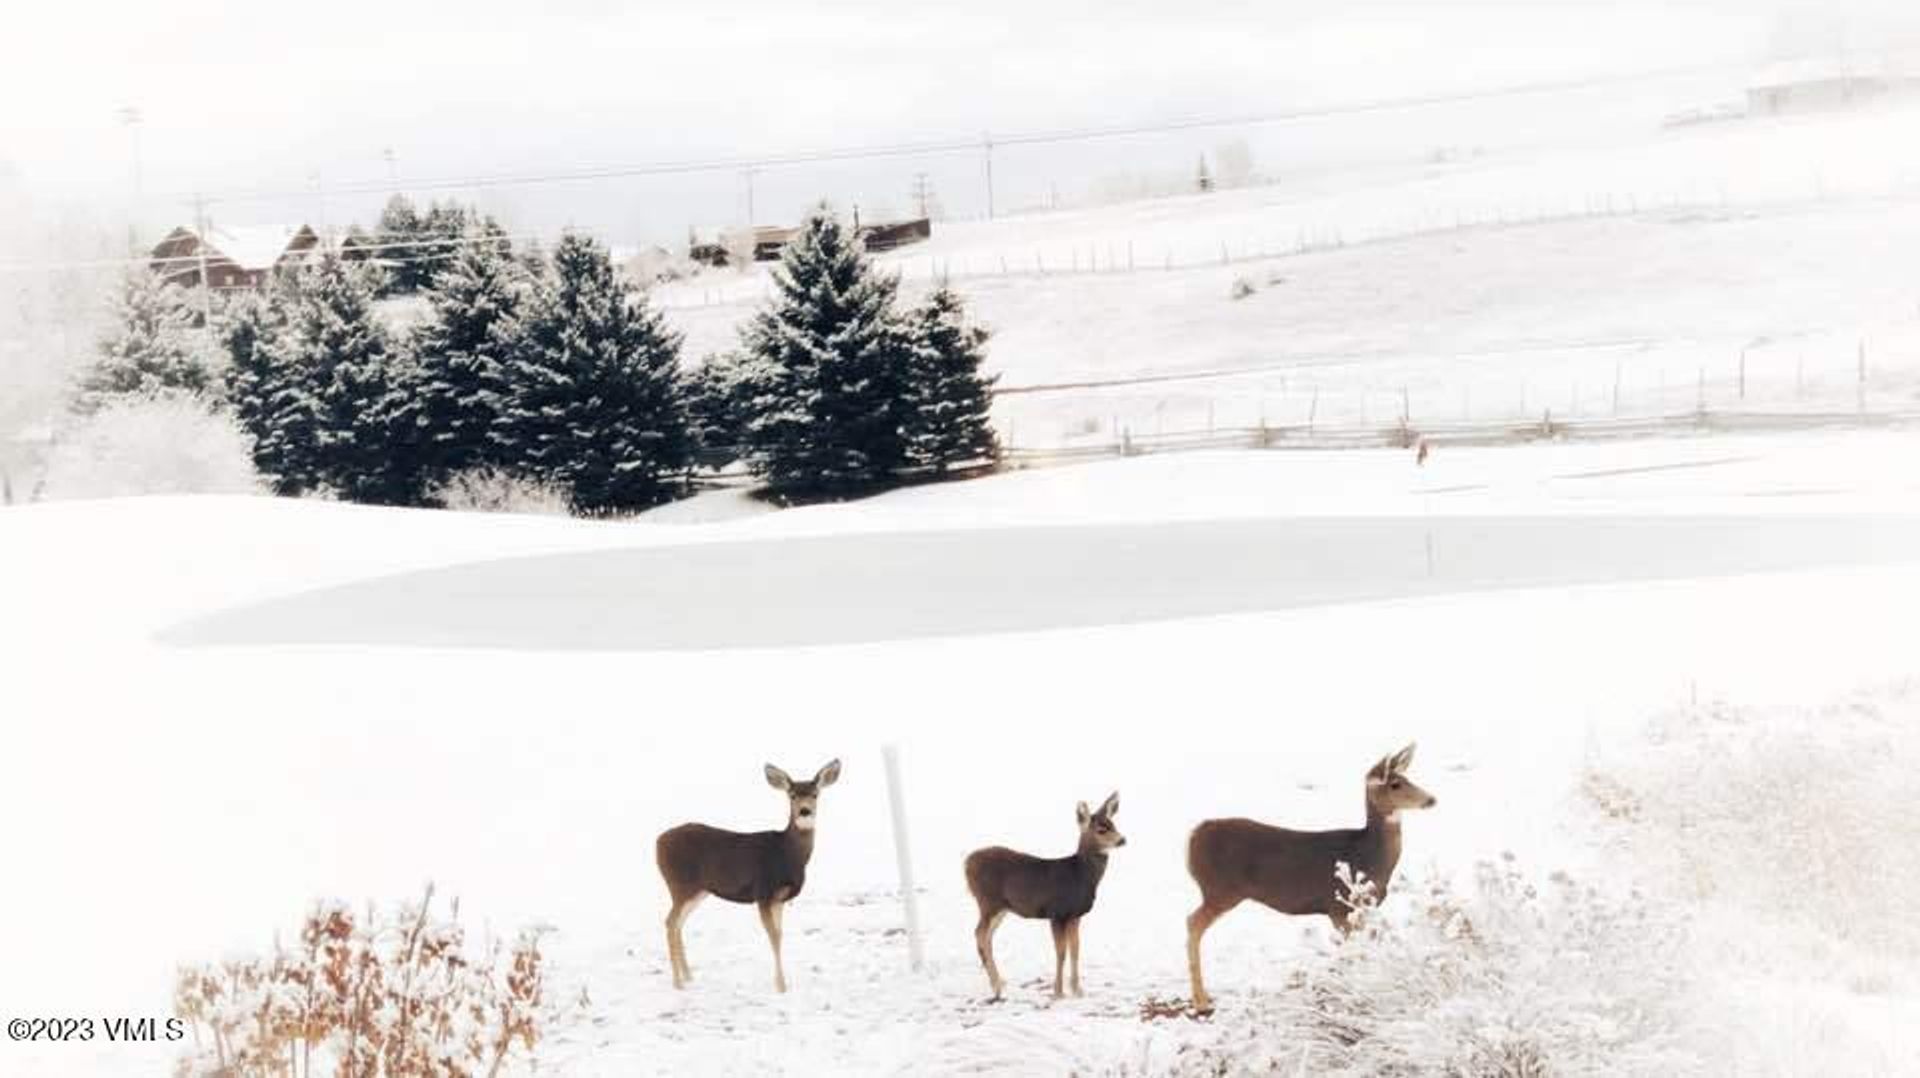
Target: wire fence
[{"x": 1486, "y": 433}]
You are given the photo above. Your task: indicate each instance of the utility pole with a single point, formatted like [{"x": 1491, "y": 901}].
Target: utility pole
[
  {"x": 923, "y": 195},
  {"x": 393, "y": 169},
  {"x": 200, "y": 230},
  {"x": 747, "y": 175},
  {"x": 986, "y": 145},
  {"x": 130, "y": 119}
]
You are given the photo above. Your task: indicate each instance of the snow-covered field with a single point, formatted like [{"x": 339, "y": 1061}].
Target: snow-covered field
[
  {"x": 222, "y": 708},
  {"x": 1642, "y": 276}
]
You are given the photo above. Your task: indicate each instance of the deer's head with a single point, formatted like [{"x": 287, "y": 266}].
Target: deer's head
[
  {"x": 1097, "y": 832},
  {"x": 803, "y": 798},
  {"x": 1389, "y": 790}
]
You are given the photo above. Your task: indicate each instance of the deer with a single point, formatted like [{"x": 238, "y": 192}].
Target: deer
[
  {"x": 766, "y": 868},
  {"x": 1293, "y": 872},
  {"x": 1059, "y": 890}
]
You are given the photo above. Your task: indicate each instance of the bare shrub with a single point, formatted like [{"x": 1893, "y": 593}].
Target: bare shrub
[
  {"x": 1241, "y": 289},
  {"x": 1508, "y": 976},
  {"x": 490, "y": 490},
  {"x": 164, "y": 444},
  {"x": 393, "y": 994}
]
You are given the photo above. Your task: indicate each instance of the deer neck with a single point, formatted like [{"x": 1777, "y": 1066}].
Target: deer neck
[
  {"x": 1092, "y": 860},
  {"x": 799, "y": 843},
  {"x": 1378, "y": 845}
]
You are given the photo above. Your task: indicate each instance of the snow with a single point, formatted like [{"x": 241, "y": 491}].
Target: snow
[
  {"x": 182, "y": 797},
  {"x": 1634, "y": 277},
  {"x": 253, "y": 247}
]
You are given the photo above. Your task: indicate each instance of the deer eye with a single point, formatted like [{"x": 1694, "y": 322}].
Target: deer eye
[{"x": 1396, "y": 784}]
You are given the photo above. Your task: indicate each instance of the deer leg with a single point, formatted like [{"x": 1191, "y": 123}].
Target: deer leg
[
  {"x": 983, "y": 941},
  {"x": 676, "y": 945},
  {"x": 770, "y": 919},
  {"x": 1073, "y": 955},
  {"x": 1059, "y": 955},
  {"x": 1197, "y": 924}
]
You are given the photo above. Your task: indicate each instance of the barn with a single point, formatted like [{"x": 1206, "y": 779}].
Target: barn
[{"x": 233, "y": 257}]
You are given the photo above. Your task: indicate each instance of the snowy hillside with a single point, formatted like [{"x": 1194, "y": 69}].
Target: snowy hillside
[
  {"x": 252, "y": 675},
  {"x": 1632, "y": 278}
]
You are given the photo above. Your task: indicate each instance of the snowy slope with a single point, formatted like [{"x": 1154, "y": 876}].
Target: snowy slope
[
  {"x": 1657, "y": 266},
  {"x": 530, "y": 779}
]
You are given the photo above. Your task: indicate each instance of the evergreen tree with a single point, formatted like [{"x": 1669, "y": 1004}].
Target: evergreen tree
[
  {"x": 829, "y": 387},
  {"x": 271, "y": 395},
  {"x": 357, "y": 377},
  {"x": 719, "y": 397},
  {"x": 452, "y": 401},
  {"x": 592, "y": 400},
  {"x": 401, "y": 232},
  {"x": 153, "y": 347},
  {"x": 951, "y": 421}
]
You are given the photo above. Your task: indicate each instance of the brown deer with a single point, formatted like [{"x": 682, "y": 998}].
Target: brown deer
[
  {"x": 1059, "y": 890},
  {"x": 1293, "y": 871},
  {"x": 766, "y": 868}
]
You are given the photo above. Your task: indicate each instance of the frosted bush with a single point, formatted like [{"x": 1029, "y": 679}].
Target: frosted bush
[
  {"x": 1791, "y": 826},
  {"x": 166, "y": 444},
  {"x": 490, "y": 490},
  {"x": 1507, "y": 976},
  {"x": 396, "y": 993}
]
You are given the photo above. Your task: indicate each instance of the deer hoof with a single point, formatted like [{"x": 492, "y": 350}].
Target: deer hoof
[{"x": 1077, "y": 994}]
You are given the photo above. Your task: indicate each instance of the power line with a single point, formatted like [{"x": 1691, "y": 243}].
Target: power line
[{"x": 975, "y": 144}]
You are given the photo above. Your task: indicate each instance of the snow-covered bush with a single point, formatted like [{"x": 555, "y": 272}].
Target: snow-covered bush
[
  {"x": 1508, "y": 975},
  {"x": 1240, "y": 289},
  {"x": 395, "y": 994},
  {"x": 490, "y": 490},
  {"x": 165, "y": 444}
]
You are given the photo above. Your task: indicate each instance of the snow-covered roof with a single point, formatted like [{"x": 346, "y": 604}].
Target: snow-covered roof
[{"x": 253, "y": 247}]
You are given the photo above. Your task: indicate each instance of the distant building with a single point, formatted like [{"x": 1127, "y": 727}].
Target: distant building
[
  {"x": 767, "y": 241},
  {"x": 233, "y": 257},
  {"x": 1821, "y": 83}
]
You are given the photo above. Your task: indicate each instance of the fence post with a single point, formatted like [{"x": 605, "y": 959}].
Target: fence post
[
  {"x": 1313, "y": 408},
  {"x": 1743, "y": 374},
  {"x": 1860, "y": 383},
  {"x": 902, "y": 854},
  {"x": 1700, "y": 394},
  {"x": 1616, "y": 388}
]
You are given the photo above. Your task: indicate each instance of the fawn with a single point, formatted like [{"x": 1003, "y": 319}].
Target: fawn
[
  {"x": 1293, "y": 871},
  {"x": 1059, "y": 890},
  {"x": 766, "y": 868}
]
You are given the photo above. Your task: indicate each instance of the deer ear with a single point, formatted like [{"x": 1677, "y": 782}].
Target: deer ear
[
  {"x": 777, "y": 778},
  {"x": 1111, "y": 805},
  {"x": 1403, "y": 759},
  {"x": 828, "y": 775},
  {"x": 1381, "y": 771},
  {"x": 1080, "y": 813}
]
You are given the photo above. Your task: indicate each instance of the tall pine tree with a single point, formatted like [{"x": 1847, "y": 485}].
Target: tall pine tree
[
  {"x": 952, "y": 401},
  {"x": 452, "y": 402},
  {"x": 829, "y": 390},
  {"x": 355, "y": 374},
  {"x": 271, "y": 395},
  {"x": 153, "y": 347},
  {"x": 593, "y": 397}
]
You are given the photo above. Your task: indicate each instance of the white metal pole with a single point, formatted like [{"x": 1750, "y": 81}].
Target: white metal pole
[{"x": 903, "y": 855}]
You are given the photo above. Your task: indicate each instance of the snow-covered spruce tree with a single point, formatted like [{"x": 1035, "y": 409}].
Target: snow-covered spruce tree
[
  {"x": 357, "y": 376},
  {"x": 950, "y": 422},
  {"x": 152, "y": 349},
  {"x": 592, "y": 400},
  {"x": 719, "y": 396},
  {"x": 274, "y": 401},
  {"x": 829, "y": 387},
  {"x": 446, "y": 412},
  {"x": 400, "y": 234}
]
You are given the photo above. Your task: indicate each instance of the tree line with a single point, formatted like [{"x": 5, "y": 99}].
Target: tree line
[{"x": 555, "y": 370}]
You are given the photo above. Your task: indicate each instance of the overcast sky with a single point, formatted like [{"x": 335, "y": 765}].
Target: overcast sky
[{"x": 257, "y": 93}]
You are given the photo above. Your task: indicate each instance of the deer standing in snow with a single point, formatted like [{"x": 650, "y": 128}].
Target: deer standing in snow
[
  {"x": 766, "y": 868},
  {"x": 1293, "y": 871},
  {"x": 1059, "y": 890}
]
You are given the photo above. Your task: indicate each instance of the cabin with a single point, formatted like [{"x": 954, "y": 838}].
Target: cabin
[{"x": 234, "y": 258}]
